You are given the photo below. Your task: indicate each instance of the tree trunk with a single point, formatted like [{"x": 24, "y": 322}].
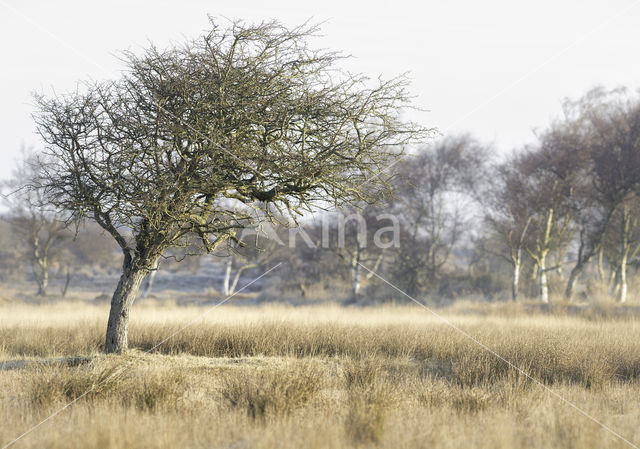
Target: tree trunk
[
  {"x": 356, "y": 279},
  {"x": 121, "y": 302},
  {"x": 67, "y": 280},
  {"x": 622, "y": 294},
  {"x": 543, "y": 250},
  {"x": 573, "y": 276},
  {"x": 42, "y": 278},
  {"x": 355, "y": 268},
  {"x": 544, "y": 284},
  {"x": 624, "y": 247},
  {"x": 373, "y": 270},
  {"x": 559, "y": 269},
  {"x": 236, "y": 278},
  {"x": 515, "y": 282},
  {"x": 601, "y": 264},
  {"x": 614, "y": 282},
  {"x": 227, "y": 277}
]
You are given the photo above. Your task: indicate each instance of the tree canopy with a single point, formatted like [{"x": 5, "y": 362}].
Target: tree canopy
[{"x": 192, "y": 138}]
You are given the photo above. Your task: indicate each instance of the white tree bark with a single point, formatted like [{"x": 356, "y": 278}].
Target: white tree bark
[
  {"x": 623, "y": 279},
  {"x": 227, "y": 277},
  {"x": 626, "y": 224},
  {"x": 515, "y": 282},
  {"x": 355, "y": 267},
  {"x": 544, "y": 288},
  {"x": 543, "y": 251}
]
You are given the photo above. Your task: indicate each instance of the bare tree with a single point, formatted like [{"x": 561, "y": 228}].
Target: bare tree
[
  {"x": 615, "y": 150},
  {"x": 552, "y": 222},
  {"x": 306, "y": 261},
  {"x": 41, "y": 231},
  {"x": 596, "y": 150},
  {"x": 509, "y": 216},
  {"x": 360, "y": 235},
  {"x": 254, "y": 253},
  {"x": 527, "y": 208},
  {"x": 621, "y": 244},
  {"x": 191, "y": 138},
  {"x": 591, "y": 149},
  {"x": 434, "y": 193}
]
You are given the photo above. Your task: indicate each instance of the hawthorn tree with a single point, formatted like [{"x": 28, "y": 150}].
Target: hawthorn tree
[{"x": 191, "y": 140}]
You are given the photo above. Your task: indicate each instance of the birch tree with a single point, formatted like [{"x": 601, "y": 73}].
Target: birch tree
[
  {"x": 551, "y": 221},
  {"x": 359, "y": 236},
  {"x": 527, "y": 208},
  {"x": 615, "y": 150},
  {"x": 622, "y": 245},
  {"x": 508, "y": 215}
]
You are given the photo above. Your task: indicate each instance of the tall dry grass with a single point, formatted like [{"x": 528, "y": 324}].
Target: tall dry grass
[{"x": 322, "y": 376}]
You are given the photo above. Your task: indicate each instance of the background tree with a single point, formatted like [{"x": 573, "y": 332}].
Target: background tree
[
  {"x": 508, "y": 216},
  {"x": 191, "y": 138},
  {"x": 551, "y": 222},
  {"x": 584, "y": 148},
  {"x": 615, "y": 150},
  {"x": 308, "y": 266},
  {"x": 622, "y": 244},
  {"x": 41, "y": 232},
  {"x": 361, "y": 235},
  {"x": 434, "y": 193},
  {"x": 255, "y": 252}
]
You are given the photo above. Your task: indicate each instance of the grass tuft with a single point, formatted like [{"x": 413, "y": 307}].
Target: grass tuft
[{"x": 271, "y": 392}]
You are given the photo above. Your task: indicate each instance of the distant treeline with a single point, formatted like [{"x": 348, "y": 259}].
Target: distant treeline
[{"x": 554, "y": 218}]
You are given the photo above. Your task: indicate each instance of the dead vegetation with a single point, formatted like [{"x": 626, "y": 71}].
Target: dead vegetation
[{"x": 320, "y": 377}]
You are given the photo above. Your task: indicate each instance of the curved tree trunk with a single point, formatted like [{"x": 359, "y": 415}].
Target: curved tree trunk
[
  {"x": 67, "y": 281},
  {"x": 573, "y": 276},
  {"x": 121, "y": 302},
  {"x": 355, "y": 266},
  {"x": 43, "y": 282},
  {"x": 601, "y": 264},
  {"x": 41, "y": 273},
  {"x": 614, "y": 282},
  {"x": 231, "y": 290}
]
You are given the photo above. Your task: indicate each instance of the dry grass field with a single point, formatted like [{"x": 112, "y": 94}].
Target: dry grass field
[{"x": 320, "y": 377}]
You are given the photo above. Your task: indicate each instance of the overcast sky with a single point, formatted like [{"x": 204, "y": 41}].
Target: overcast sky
[{"x": 496, "y": 68}]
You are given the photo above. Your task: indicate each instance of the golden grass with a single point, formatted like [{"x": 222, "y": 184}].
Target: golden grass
[{"x": 321, "y": 376}]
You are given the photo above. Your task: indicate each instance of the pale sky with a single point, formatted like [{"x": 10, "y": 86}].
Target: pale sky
[{"x": 496, "y": 68}]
